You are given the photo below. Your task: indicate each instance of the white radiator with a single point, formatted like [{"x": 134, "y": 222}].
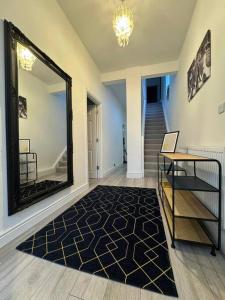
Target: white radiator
[{"x": 208, "y": 171}]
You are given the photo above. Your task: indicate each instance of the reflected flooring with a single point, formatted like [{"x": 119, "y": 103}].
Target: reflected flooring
[
  {"x": 54, "y": 176},
  {"x": 198, "y": 275}
]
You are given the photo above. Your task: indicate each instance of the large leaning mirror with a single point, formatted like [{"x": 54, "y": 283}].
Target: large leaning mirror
[{"x": 38, "y": 123}]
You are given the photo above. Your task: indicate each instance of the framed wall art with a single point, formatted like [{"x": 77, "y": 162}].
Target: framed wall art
[
  {"x": 200, "y": 69},
  {"x": 169, "y": 143},
  {"x": 24, "y": 145},
  {"x": 22, "y": 109}
]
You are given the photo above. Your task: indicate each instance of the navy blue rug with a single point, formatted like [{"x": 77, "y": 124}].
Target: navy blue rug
[{"x": 114, "y": 232}]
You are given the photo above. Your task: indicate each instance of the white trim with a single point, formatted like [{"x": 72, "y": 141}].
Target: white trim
[
  {"x": 111, "y": 170},
  {"x": 18, "y": 229},
  {"x": 135, "y": 175},
  {"x": 99, "y": 162},
  {"x": 165, "y": 116}
]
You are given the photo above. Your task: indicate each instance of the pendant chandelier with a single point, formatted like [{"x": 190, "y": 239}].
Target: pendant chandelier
[
  {"x": 25, "y": 57},
  {"x": 123, "y": 24}
]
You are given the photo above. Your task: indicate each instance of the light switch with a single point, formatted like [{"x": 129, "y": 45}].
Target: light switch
[{"x": 221, "y": 108}]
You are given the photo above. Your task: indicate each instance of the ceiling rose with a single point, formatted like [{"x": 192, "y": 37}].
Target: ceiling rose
[{"x": 123, "y": 23}]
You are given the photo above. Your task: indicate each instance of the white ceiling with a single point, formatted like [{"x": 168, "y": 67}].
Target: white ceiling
[
  {"x": 44, "y": 73},
  {"x": 159, "y": 31}
]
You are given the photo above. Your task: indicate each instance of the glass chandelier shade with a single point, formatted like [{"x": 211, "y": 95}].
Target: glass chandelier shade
[
  {"x": 25, "y": 57},
  {"x": 123, "y": 24}
]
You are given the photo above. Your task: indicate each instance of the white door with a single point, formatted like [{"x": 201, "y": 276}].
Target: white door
[{"x": 92, "y": 141}]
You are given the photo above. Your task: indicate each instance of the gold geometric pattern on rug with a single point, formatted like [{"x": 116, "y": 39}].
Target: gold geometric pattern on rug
[{"x": 113, "y": 232}]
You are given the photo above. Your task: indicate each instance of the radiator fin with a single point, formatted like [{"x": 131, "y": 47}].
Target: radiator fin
[{"x": 208, "y": 171}]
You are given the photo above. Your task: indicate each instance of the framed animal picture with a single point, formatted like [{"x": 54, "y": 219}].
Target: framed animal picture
[
  {"x": 200, "y": 69},
  {"x": 22, "y": 109}
]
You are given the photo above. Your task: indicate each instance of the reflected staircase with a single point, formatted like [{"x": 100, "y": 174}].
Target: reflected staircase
[{"x": 62, "y": 164}]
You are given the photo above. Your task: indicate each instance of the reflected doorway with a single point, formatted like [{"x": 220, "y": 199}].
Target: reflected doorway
[{"x": 93, "y": 139}]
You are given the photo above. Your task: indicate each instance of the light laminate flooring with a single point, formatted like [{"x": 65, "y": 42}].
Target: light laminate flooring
[{"x": 198, "y": 275}]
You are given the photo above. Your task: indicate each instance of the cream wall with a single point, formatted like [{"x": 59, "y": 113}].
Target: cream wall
[
  {"x": 45, "y": 125},
  {"x": 198, "y": 120},
  {"x": 47, "y": 26}
]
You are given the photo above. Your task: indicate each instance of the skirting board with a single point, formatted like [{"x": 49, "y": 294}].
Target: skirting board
[
  {"x": 111, "y": 170},
  {"x": 20, "y": 228},
  {"x": 45, "y": 172},
  {"x": 135, "y": 175}
]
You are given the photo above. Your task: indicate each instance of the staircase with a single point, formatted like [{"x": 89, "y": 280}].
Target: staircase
[
  {"x": 154, "y": 132},
  {"x": 62, "y": 164}
]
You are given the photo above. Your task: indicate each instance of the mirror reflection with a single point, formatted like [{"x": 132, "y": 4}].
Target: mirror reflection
[{"x": 42, "y": 126}]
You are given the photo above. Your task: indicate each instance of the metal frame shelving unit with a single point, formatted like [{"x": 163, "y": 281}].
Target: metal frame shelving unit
[
  {"x": 30, "y": 158},
  {"x": 184, "y": 212}
]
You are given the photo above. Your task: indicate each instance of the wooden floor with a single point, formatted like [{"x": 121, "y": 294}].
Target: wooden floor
[{"x": 198, "y": 275}]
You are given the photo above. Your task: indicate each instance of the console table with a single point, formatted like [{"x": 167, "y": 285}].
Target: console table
[{"x": 184, "y": 211}]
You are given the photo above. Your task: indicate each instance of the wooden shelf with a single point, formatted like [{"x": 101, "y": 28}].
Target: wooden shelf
[
  {"x": 187, "y": 204},
  {"x": 187, "y": 212},
  {"x": 187, "y": 229},
  {"x": 183, "y": 156}
]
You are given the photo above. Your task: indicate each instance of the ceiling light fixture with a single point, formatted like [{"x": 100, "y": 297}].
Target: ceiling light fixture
[
  {"x": 123, "y": 23},
  {"x": 26, "y": 57}
]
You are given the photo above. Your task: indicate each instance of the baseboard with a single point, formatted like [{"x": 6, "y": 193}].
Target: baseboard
[
  {"x": 135, "y": 175},
  {"x": 15, "y": 231},
  {"x": 45, "y": 172},
  {"x": 111, "y": 170}
]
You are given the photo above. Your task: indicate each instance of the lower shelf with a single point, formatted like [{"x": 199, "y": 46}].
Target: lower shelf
[
  {"x": 187, "y": 229},
  {"x": 186, "y": 204}
]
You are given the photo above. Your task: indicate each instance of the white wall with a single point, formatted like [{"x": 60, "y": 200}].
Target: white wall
[
  {"x": 165, "y": 82},
  {"x": 47, "y": 26},
  {"x": 45, "y": 125},
  {"x": 155, "y": 70},
  {"x": 113, "y": 117},
  {"x": 134, "y": 125},
  {"x": 134, "y": 77},
  {"x": 166, "y": 103},
  {"x": 198, "y": 120}
]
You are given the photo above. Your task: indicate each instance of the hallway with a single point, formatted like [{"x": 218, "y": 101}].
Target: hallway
[{"x": 197, "y": 274}]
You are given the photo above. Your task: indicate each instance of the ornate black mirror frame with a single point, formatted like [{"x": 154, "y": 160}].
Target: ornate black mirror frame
[{"x": 12, "y": 35}]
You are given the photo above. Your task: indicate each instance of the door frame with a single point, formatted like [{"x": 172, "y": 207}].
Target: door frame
[{"x": 98, "y": 135}]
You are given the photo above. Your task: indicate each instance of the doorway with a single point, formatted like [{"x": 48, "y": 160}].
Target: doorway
[
  {"x": 153, "y": 89},
  {"x": 152, "y": 94},
  {"x": 93, "y": 139}
]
